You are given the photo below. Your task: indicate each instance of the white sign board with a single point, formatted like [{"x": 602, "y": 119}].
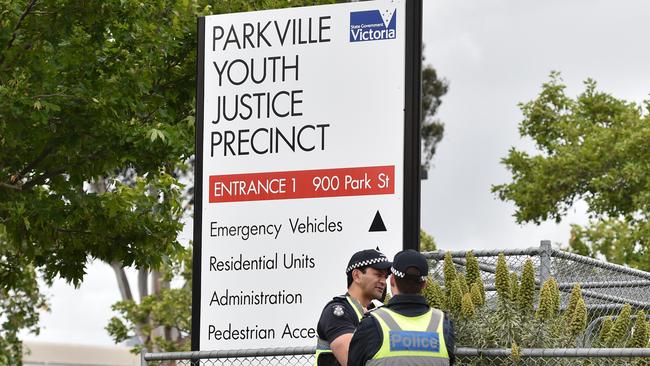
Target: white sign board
[{"x": 300, "y": 159}]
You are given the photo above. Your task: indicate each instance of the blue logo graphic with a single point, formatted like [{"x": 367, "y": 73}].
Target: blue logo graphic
[
  {"x": 401, "y": 340},
  {"x": 373, "y": 25}
]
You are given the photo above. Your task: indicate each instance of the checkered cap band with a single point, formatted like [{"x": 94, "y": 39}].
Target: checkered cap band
[
  {"x": 401, "y": 274},
  {"x": 367, "y": 262}
]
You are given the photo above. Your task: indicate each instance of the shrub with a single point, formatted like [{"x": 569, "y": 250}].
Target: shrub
[
  {"x": 620, "y": 329},
  {"x": 473, "y": 271},
  {"x": 502, "y": 280},
  {"x": 467, "y": 307},
  {"x": 579, "y": 317},
  {"x": 434, "y": 294},
  {"x": 527, "y": 289},
  {"x": 604, "y": 330},
  {"x": 640, "y": 333},
  {"x": 478, "y": 296}
]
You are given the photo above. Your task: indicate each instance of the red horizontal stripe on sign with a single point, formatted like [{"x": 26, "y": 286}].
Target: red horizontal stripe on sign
[{"x": 358, "y": 181}]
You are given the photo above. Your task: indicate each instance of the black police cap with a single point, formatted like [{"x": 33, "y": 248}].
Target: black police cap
[
  {"x": 410, "y": 258},
  {"x": 368, "y": 258}
]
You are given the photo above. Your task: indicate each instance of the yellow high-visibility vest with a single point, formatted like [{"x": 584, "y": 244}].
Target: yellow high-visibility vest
[
  {"x": 410, "y": 341},
  {"x": 323, "y": 346}
]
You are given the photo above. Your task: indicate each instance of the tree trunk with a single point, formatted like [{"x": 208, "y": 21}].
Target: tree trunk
[
  {"x": 143, "y": 289},
  {"x": 122, "y": 281}
]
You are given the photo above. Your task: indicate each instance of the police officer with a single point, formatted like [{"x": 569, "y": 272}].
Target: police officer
[
  {"x": 366, "y": 273},
  {"x": 406, "y": 331}
]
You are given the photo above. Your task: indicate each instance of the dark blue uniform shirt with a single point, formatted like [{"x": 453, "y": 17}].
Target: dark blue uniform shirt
[
  {"x": 338, "y": 318},
  {"x": 368, "y": 337}
]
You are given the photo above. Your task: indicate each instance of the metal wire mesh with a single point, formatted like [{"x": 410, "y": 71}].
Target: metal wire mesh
[
  {"x": 292, "y": 360},
  {"x": 550, "y": 361},
  {"x": 294, "y": 356},
  {"x": 547, "y": 357},
  {"x": 464, "y": 356},
  {"x": 606, "y": 287}
]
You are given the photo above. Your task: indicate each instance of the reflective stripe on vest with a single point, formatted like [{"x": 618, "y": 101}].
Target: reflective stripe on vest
[
  {"x": 323, "y": 346},
  {"x": 411, "y": 341}
]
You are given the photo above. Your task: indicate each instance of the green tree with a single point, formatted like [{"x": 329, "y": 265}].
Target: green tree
[
  {"x": 427, "y": 243},
  {"x": 161, "y": 319},
  {"x": 432, "y": 129},
  {"x": 20, "y": 301},
  {"x": 591, "y": 148},
  {"x": 616, "y": 239},
  {"x": 96, "y": 124},
  {"x": 96, "y": 116}
]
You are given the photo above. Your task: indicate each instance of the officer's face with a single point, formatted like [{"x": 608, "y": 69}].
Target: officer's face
[{"x": 373, "y": 282}]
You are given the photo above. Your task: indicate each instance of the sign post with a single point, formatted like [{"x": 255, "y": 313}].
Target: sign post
[{"x": 307, "y": 150}]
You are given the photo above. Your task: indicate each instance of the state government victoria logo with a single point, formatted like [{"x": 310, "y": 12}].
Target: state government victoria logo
[{"x": 373, "y": 25}]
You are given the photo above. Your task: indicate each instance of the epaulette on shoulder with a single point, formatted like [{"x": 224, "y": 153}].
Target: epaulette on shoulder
[
  {"x": 375, "y": 309},
  {"x": 337, "y": 299}
]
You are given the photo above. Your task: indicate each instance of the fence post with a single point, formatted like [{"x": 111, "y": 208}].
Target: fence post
[
  {"x": 544, "y": 261},
  {"x": 143, "y": 361}
]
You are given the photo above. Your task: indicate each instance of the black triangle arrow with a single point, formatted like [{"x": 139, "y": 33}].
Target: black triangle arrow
[{"x": 377, "y": 223}]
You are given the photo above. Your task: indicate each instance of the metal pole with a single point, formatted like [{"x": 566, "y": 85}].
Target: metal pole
[
  {"x": 544, "y": 261},
  {"x": 412, "y": 113},
  {"x": 143, "y": 361}
]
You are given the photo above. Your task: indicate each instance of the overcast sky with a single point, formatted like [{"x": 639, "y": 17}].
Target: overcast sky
[{"x": 495, "y": 54}]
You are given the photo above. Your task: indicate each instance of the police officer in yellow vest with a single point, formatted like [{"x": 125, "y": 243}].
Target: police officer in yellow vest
[
  {"x": 366, "y": 273},
  {"x": 406, "y": 331}
]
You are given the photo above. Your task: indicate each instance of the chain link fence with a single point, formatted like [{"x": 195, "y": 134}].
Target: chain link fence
[
  {"x": 304, "y": 356},
  {"x": 559, "y": 356},
  {"x": 606, "y": 288}
]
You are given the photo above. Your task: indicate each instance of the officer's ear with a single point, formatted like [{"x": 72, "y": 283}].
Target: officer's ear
[
  {"x": 423, "y": 284},
  {"x": 356, "y": 274},
  {"x": 393, "y": 285}
]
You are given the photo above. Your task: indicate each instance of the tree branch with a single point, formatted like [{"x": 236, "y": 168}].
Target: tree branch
[
  {"x": 41, "y": 96},
  {"x": 122, "y": 281},
  {"x": 10, "y": 186},
  {"x": 42, "y": 178},
  {"x": 30, "y": 6},
  {"x": 46, "y": 151},
  {"x": 68, "y": 231}
]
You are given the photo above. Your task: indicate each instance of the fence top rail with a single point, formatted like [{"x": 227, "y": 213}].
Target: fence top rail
[
  {"x": 532, "y": 251},
  {"x": 597, "y": 263},
  {"x": 461, "y": 351},
  {"x": 440, "y": 254}
]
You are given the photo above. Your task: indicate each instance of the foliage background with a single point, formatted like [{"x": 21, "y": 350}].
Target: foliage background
[{"x": 96, "y": 131}]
